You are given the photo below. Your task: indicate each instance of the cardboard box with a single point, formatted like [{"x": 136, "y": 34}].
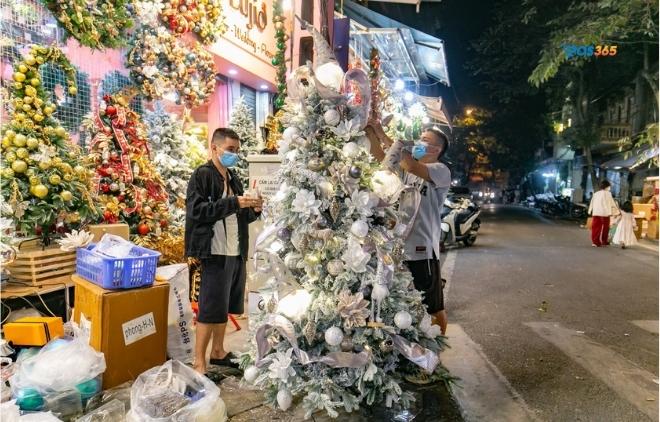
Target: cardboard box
[
  {"x": 128, "y": 326},
  {"x": 98, "y": 230},
  {"x": 33, "y": 331}
]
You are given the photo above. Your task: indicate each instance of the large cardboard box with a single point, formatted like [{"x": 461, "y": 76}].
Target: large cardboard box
[{"x": 128, "y": 326}]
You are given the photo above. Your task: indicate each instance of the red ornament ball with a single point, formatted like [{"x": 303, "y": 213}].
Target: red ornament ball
[
  {"x": 111, "y": 110},
  {"x": 143, "y": 229},
  {"x": 107, "y": 215}
]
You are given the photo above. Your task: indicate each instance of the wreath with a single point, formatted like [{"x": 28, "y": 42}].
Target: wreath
[
  {"x": 97, "y": 24},
  {"x": 202, "y": 17},
  {"x": 160, "y": 64},
  {"x": 71, "y": 110}
]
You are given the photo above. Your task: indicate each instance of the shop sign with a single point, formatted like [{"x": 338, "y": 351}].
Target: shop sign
[{"x": 250, "y": 27}]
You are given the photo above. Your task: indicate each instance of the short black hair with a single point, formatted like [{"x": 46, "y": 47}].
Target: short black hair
[
  {"x": 443, "y": 138},
  {"x": 221, "y": 133},
  {"x": 605, "y": 184},
  {"x": 627, "y": 206}
]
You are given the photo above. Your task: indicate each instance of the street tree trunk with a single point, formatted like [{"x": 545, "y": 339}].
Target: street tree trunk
[{"x": 584, "y": 124}]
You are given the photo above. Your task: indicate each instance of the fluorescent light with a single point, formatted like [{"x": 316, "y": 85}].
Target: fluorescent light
[
  {"x": 286, "y": 5},
  {"x": 399, "y": 85},
  {"x": 409, "y": 96},
  {"x": 264, "y": 87},
  {"x": 233, "y": 72}
]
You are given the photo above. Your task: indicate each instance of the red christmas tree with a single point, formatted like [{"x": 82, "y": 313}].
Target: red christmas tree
[{"x": 128, "y": 188}]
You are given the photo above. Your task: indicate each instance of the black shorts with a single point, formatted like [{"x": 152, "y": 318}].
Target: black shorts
[
  {"x": 222, "y": 288},
  {"x": 426, "y": 278}
]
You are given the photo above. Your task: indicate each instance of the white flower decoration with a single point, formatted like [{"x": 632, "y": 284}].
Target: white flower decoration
[
  {"x": 426, "y": 326},
  {"x": 74, "y": 240},
  {"x": 355, "y": 257},
  {"x": 362, "y": 202},
  {"x": 5, "y": 224},
  {"x": 306, "y": 203},
  {"x": 347, "y": 129},
  {"x": 280, "y": 368}
]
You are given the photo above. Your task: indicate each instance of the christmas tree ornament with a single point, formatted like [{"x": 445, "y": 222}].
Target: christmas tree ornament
[
  {"x": 360, "y": 228},
  {"x": 403, "y": 320},
  {"x": 353, "y": 309},
  {"x": 315, "y": 164},
  {"x": 386, "y": 346},
  {"x": 351, "y": 150},
  {"x": 346, "y": 344},
  {"x": 250, "y": 374},
  {"x": 309, "y": 331},
  {"x": 284, "y": 233},
  {"x": 290, "y": 133},
  {"x": 241, "y": 122},
  {"x": 355, "y": 172},
  {"x": 284, "y": 399},
  {"x": 331, "y": 117},
  {"x": 333, "y": 336},
  {"x": 335, "y": 267}
]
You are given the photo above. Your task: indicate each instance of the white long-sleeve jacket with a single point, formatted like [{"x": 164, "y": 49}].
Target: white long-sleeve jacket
[{"x": 602, "y": 204}]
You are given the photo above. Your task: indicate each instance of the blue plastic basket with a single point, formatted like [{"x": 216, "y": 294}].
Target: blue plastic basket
[{"x": 137, "y": 270}]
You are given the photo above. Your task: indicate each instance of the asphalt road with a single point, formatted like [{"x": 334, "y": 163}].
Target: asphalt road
[{"x": 570, "y": 329}]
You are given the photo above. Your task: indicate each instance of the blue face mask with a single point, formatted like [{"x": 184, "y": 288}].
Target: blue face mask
[
  {"x": 419, "y": 151},
  {"x": 228, "y": 159}
]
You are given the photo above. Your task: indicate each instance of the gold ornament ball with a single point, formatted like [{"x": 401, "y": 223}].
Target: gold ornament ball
[
  {"x": 60, "y": 131},
  {"x": 54, "y": 179},
  {"x": 20, "y": 140},
  {"x": 34, "y": 180},
  {"x": 32, "y": 143},
  {"x": 56, "y": 160},
  {"x": 73, "y": 90},
  {"x": 27, "y": 108},
  {"x": 68, "y": 177},
  {"x": 8, "y": 173},
  {"x": 40, "y": 191},
  {"x": 35, "y": 82},
  {"x": 41, "y": 60},
  {"x": 10, "y": 134},
  {"x": 6, "y": 143},
  {"x": 22, "y": 68},
  {"x": 19, "y": 76},
  {"x": 27, "y": 100},
  {"x": 44, "y": 165},
  {"x": 18, "y": 85},
  {"x": 29, "y": 59},
  {"x": 22, "y": 153},
  {"x": 38, "y": 117},
  {"x": 19, "y": 166},
  {"x": 66, "y": 195},
  {"x": 48, "y": 110},
  {"x": 79, "y": 169},
  {"x": 10, "y": 157}
]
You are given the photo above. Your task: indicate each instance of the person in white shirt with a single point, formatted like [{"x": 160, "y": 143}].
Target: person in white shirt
[
  {"x": 601, "y": 208},
  {"x": 432, "y": 178}
]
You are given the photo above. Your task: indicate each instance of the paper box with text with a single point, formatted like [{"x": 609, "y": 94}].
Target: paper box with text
[{"x": 128, "y": 326}]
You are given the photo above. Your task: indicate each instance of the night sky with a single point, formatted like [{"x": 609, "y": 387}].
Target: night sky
[{"x": 457, "y": 23}]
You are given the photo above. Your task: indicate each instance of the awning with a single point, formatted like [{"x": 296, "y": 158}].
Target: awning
[
  {"x": 436, "y": 110},
  {"x": 632, "y": 159},
  {"x": 406, "y": 53}
]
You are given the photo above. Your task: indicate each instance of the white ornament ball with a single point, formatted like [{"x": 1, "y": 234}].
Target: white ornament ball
[
  {"x": 380, "y": 292},
  {"x": 360, "y": 228},
  {"x": 251, "y": 374},
  {"x": 290, "y": 133},
  {"x": 284, "y": 399},
  {"x": 330, "y": 75},
  {"x": 403, "y": 320},
  {"x": 351, "y": 149},
  {"x": 331, "y": 117},
  {"x": 326, "y": 188},
  {"x": 334, "y": 336}
]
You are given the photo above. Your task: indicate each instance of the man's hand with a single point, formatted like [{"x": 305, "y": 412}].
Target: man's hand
[
  {"x": 407, "y": 161},
  {"x": 247, "y": 202}
]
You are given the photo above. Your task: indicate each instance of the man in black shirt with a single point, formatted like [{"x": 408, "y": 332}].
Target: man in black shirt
[{"x": 217, "y": 218}]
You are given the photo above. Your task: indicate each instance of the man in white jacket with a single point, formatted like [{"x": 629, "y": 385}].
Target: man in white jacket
[{"x": 602, "y": 206}]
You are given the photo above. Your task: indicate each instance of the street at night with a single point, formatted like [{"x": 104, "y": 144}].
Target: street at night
[{"x": 544, "y": 326}]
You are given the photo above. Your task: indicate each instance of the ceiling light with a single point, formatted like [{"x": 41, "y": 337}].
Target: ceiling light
[
  {"x": 409, "y": 96},
  {"x": 263, "y": 87},
  {"x": 233, "y": 72}
]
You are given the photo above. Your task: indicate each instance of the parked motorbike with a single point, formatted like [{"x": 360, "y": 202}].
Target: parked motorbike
[{"x": 460, "y": 222}]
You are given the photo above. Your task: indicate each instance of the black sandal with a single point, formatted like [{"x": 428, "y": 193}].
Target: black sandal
[{"x": 226, "y": 361}]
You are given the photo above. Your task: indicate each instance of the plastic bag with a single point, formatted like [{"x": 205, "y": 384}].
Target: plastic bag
[
  {"x": 180, "y": 337},
  {"x": 62, "y": 364},
  {"x": 11, "y": 413},
  {"x": 113, "y": 411},
  {"x": 174, "y": 392},
  {"x": 114, "y": 246},
  {"x": 121, "y": 393}
]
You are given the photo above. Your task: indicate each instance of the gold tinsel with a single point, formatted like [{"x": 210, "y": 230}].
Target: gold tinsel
[{"x": 273, "y": 124}]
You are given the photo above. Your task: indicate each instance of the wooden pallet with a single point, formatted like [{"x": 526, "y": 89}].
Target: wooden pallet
[{"x": 36, "y": 266}]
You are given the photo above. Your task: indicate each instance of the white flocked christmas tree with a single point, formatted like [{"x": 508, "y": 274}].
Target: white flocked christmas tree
[
  {"x": 340, "y": 324},
  {"x": 175, "y": 155},
  {"x": 241, "y": 122}
]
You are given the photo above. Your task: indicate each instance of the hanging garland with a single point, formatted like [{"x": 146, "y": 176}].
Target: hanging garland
[
  {"x": 96, "y": 24},
  {"x": 202, "y": 17},
  {"x": 159, "y": 64},
  {"x": 279, "y": 60},
  {"x": 71, "y": 111}
]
